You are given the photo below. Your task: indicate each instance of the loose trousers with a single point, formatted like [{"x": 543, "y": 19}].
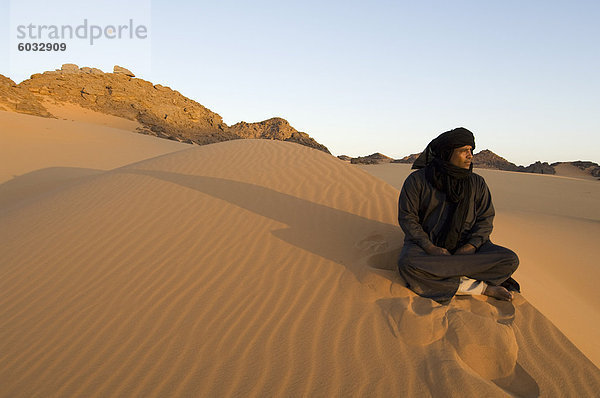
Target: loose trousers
[{"x": 438, "y": 277}]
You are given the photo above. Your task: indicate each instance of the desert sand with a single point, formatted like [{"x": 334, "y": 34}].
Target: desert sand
[
  {"x": 568, "y": 170},
  {"x": 40, "y": 154},
  {"x": 552, "y": 223},
  {"x": 265, "y": 268}
]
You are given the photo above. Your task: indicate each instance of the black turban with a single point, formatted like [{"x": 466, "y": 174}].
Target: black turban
[
  {"x": 442, "y": 146},
  {"x": 454, "y": 181}
]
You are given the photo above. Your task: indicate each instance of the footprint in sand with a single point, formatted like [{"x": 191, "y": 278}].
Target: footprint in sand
[
  {"x": 417, "y": 320},
  {"x": 481, "y": 333},
  {"x": 478, "y": 329},
  {"x": 501, "y": 311},
  {"x": 487, "y": 347}
]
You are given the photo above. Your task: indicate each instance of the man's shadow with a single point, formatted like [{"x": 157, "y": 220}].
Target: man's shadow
[
  {"x": 360, "y": 244},
  {"x": 364, "y": 247}
]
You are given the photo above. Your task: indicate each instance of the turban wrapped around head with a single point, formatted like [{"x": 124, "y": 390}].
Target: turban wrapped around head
[
  {"x": 442, "y": 146},
  {"x": 454, "y": 181}
]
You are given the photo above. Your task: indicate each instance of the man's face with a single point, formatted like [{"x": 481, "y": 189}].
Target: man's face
[{"x": 462, "y": 157}]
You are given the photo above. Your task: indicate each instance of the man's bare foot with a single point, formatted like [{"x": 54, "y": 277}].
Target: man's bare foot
[{"x": 498, "y": 292}]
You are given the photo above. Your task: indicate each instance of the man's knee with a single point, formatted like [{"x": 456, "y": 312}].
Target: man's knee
[
  {"x": 509, "y": 257},
  {"x": 404, "y": 263},
  {"x": 404, "y": 258},
  {"x": 512, "y": 259},
  {"x": 408, "y": 268}
]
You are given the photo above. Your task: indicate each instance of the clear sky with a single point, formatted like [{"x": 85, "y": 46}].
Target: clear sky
[{"x": 359, "y": 77}]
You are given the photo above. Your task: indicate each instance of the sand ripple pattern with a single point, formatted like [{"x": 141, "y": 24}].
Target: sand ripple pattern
[{"x": 248, "y": 268}]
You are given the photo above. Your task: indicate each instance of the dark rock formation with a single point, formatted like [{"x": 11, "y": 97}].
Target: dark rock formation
[
  {"x": 161, "y": 111},
  {"x": 375, "y": 158},
  {"x": 487, "y": 159},
  {"x": 275, "y": 129},
  {"x": 408, "y": 159},
  {"x": 538, "y": 167},
  {"x": 345, "y": 158}
]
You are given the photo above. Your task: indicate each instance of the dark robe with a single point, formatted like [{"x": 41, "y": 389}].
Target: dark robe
[{"x": 422, "y": 213}]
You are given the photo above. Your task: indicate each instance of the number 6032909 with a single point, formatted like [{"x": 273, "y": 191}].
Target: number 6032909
[{"x": 42, "y": 46}]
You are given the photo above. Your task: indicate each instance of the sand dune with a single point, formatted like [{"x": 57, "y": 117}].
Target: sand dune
[
  {"x": 40, "y": 154},
  {"x": 31, "y": 143},
  {"x": 249, "y": 268},
  {"x": 74, "y": 112},
  {"x": 552, "y": 224},
  {"x": 568, "y": 170}
]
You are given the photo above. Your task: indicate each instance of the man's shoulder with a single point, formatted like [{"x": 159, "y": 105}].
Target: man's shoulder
[
  {"x": 477, "y": 178},
  {"x": 416, "y": 177},
  {"x": 414, "y": 181},
  {"x": 417, "y": 174},
  {"x": 478, "y": 182}
]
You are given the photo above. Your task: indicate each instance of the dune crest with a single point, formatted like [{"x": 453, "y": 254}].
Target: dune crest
[
  {"x": 94, "y": 141},
  {"x": 248, "y": 268}
]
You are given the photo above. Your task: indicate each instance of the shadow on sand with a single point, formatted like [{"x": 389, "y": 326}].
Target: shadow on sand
[{"x": 479, "y": 330}]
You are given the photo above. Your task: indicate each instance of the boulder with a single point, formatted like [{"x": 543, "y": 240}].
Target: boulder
[
  {"x": 119, "y": 69},
  {"x": 69, "y": 68}
]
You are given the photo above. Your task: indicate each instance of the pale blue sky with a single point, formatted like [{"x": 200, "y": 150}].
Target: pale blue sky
[{"x": 383, "y": 76}]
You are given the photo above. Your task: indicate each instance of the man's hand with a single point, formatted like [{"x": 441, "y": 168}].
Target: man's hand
[
  {"x": 466, "y": 249},
  {"x": 436, "y": 250}
]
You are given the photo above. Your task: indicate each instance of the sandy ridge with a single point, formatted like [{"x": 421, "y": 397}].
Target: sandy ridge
[{"x": 248, "y": 268}]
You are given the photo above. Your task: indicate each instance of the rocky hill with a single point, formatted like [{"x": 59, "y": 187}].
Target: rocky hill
[
  {"x": 275, "y": 129},
  {"x": 408, "y": 159},
  {"x": 161, "y": 111},
  {"x": 538, "y": 167},
  {"x": 487, "y": 159},
  {"x": 375, "y": 158}
]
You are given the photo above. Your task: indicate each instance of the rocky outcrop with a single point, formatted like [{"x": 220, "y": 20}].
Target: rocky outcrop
[
  {"x": 375, "y": 158},
  {"x": 161, "y": 111},
  {"x": 69, "y": 68},
  {"x": 538, "y": 167},
  {"x": 275, "y": 129},
  {"x": 345, "y": 158},
  {"x": 487, "y": 159},
  {"x": 408, "y": 159},
  {"x": 120, "y": 69},
  {"x": 18, "y": 99}
]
